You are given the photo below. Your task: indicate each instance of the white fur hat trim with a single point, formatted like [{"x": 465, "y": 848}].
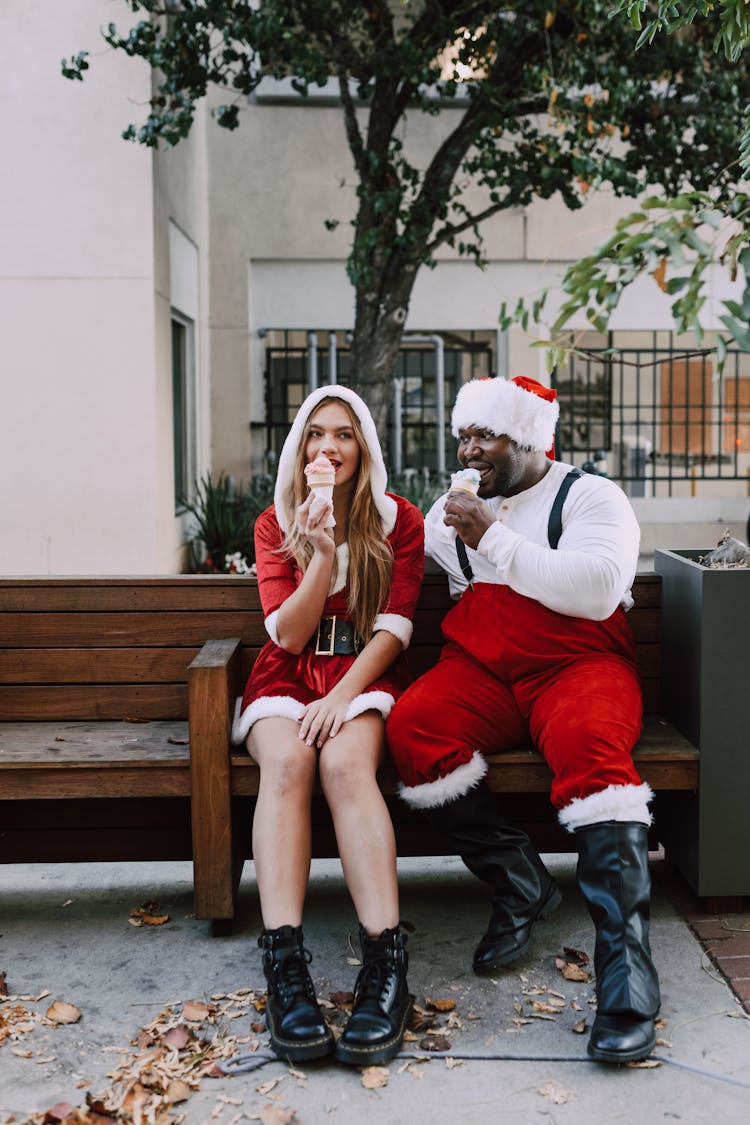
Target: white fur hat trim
[
  {"x": 503, "y": 407},
  {"x": 282, "y": 497}
]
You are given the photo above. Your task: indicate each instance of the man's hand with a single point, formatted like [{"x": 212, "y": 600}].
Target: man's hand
[{"x": 469, "y": 515}]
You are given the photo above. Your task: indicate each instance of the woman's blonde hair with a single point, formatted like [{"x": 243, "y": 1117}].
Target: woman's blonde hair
[{"x": 370, "y": 554}]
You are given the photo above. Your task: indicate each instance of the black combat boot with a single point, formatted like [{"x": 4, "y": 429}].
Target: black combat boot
[
  {"x": 375, "y": 1030},
  {"x": 614, "y": 878},
  {"x": 523, "y": 891},
  {"x": 298, "y": 1030}
]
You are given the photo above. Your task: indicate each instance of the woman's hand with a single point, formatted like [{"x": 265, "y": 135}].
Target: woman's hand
[
  {"x": 323, "y": 718},
  {"x": 312, "y": 517}
]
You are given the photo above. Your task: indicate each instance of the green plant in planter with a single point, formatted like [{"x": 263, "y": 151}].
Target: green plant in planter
[{"x": 225, "y": 515}]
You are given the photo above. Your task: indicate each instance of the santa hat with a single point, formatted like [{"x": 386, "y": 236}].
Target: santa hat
[
  {"x": 283, "y": 497},
  {"x": 520, "y": 408}
]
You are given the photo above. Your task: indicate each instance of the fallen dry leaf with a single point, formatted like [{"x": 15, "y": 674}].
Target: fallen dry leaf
[
  {"x": 577, "y": 955},
  {"x": 571, "y": 971},
  {"x": 451, "y": 1063},
  {"x": 62, "y": 1012},
  {"x": 440, "y": 1005},
  {"x": 420, "y": 1020},
  {"x": 373, "y": 1077},
  {"x": 540, "y": 1006},
  {"x": 277, "y": 1115},
  {"x": 435, "y": 1043},
  {"x": 555, "y": 1093},
  {"x": 643, "y": 1064},
  {"x": 147, "y": 916},
  {"x": 342, "y": 999},
  {"x": 266, "y": 1087},
  {"x": 178, "y": 1037},
  {"x": 3, "y": 985},
  {"x": 62, "y": 1111},
  {"x": 580, "y": 1027},
  {"x": 195, "y": 1011},
  {"x": 178, "y": 1091}
]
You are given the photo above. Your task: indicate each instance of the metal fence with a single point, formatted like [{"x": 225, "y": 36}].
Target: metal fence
[
  {"x": 658, "y": 421},
  {"x": 413, "y": 437}
]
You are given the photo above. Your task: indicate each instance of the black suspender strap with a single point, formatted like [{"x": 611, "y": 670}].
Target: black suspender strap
[
  {"x": 554, "y": 526},
  {"x": 463, "y": 560}
]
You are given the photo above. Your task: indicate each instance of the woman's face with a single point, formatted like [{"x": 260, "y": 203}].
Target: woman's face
[{"x": 330, "y": 434}]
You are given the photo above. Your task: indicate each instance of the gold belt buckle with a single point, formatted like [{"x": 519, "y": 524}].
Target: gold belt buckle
[{"x": 326, "y": 651}]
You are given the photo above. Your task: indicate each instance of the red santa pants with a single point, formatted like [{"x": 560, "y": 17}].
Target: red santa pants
[{"x": 513, "y": 671}]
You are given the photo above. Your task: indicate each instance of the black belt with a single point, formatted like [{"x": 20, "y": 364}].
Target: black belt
[{"x": 334, "y": 637}]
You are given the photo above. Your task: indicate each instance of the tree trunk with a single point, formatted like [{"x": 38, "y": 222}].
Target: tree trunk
[{"x": 378, "y": 328}]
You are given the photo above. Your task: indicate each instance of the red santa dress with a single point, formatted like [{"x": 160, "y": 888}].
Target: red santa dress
[{"x": 282, "y": 683}]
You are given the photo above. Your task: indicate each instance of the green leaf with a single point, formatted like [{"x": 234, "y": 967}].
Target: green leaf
[{"x": 739, "y": 332}]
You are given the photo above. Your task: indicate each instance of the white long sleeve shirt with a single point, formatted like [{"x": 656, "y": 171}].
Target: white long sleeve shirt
[{"x": 588, "y": 575}]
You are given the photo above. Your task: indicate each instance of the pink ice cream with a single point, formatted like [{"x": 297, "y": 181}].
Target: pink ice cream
[
  {"x": 320, "y": 473},
  {"x": 321, "y": 477}
]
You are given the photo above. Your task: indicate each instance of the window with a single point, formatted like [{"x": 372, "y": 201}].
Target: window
[{"x": 183, "y": 408}]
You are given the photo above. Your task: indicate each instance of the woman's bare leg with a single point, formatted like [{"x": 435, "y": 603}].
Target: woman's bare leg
[
  {"x": 364, "y": 832},
  {"x": 281, "y": 825}
]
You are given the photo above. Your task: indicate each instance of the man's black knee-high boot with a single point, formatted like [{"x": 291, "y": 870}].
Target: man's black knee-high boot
[
  {"x": 614, "y": 878},
  {"x": 375, "y": 1030},
  {"x": 523, "y": 891},
  {"x": 298, "y": 1030}
]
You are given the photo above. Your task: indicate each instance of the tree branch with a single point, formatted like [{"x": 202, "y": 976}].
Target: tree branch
[{"x": 446, "y": 233}]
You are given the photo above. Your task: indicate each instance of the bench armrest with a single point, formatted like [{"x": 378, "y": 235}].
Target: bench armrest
[{"x": 213, "y": 677}]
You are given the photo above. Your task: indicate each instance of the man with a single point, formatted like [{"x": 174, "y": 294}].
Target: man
[{"x": 538, "y": 648}]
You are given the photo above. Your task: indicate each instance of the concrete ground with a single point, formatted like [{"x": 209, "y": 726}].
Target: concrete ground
[{"x": 66, "y": 930}]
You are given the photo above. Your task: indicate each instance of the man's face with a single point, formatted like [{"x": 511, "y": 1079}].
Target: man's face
[{"x": 503, "y": 466}]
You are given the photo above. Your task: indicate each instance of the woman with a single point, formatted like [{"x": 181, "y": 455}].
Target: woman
[{"x": 338, "y": 602}]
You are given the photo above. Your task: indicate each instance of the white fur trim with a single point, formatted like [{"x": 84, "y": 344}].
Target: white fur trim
[
  {"x": 381, "y": 701},
  {"x": 457, "y": 783},
  {"x": 400, "y": 627},
  {"x": 267, "y": 707},
  {"x": 616, "y": 802},
  {"x": 378, "y": 477},
  {"x": 506, "y": 408},
  {"x": 270, "y": 624},
  {"x": 342, "y": 569},
  {"x": 285, "y": 707}
]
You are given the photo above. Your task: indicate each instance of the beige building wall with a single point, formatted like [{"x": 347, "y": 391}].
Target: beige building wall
[{"x": 85, "y": 371}]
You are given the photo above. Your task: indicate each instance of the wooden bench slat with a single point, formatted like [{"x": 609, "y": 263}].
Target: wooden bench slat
[
  {"x": 94, "y": 701},
  {"x": 68, "y": 745},
  {"x": 239, "y": 594},
  {"x": 95, "y": 665},
  {"x": 157, "y": 629}
]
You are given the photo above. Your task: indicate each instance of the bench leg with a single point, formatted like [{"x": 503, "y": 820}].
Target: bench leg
[{"x": 217, "y": 864}]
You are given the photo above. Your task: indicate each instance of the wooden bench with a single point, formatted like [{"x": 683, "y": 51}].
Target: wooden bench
[{"x": 98, "y": 762}]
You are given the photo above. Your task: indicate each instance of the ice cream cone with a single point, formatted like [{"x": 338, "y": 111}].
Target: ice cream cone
[
  {"x": 465, "y": 480},
  {"x": 321, "y": 477}
]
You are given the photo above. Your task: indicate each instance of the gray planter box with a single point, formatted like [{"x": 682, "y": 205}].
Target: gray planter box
[{"x": 706, "y": 691}]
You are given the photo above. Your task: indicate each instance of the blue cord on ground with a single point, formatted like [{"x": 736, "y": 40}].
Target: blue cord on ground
[{"x": 249, "y": 1061}]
